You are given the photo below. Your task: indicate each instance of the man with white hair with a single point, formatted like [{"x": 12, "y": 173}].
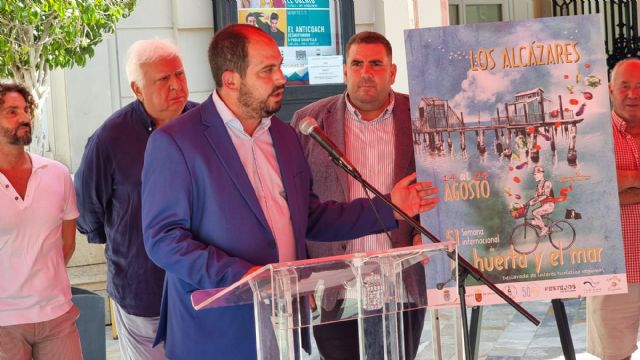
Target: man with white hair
[{"x": 108, "y": 187}]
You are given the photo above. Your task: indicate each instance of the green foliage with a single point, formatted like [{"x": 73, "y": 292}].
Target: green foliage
[{"x": 40, "y": 35}]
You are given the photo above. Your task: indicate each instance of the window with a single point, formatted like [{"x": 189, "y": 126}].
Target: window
[{"x": 477, "y": 11}]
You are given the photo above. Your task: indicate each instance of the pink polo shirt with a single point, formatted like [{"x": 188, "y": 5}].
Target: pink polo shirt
[{"x": 34, "y": 285}]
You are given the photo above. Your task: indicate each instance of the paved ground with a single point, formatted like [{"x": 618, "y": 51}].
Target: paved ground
[{"x": 505, "y": 334}]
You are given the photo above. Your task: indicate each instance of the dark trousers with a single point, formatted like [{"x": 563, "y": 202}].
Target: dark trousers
[{"x": 339, "y": 340}]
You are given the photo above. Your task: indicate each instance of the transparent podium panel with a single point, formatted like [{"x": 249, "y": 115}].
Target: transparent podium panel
[{"x": 380, "y": 293}]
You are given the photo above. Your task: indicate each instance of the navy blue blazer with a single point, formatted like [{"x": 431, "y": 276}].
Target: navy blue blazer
[{"x": 203, "y": 225}]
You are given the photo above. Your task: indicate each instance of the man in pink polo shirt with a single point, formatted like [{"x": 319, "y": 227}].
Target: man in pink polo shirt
[{"x": 37, "y": 238}]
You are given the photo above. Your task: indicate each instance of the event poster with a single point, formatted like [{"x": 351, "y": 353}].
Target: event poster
[
  {"x": 511, "y": 121},
  {"x": 301, "y": 28}
]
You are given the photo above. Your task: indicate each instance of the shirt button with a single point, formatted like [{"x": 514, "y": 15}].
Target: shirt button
[
  {"x": 7, "y": 186},
  {"x": 16, "y": 198}
]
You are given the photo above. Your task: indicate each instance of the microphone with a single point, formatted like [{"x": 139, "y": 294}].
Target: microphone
[{"x": 309, "y": 126}]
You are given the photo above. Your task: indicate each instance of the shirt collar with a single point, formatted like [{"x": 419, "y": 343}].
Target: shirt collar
[
  {"x": 620, "y": 124},
  {"x": 37, "y": 161},
  {"x": 229, "y": 119},
  {"x": 146, "y": 119},
  {"x": 383, "y": 115}
]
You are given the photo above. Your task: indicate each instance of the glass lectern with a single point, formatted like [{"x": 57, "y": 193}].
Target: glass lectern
[{"x": 291, "y": 298}]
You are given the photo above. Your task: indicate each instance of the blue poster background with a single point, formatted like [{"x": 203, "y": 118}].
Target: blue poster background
[{"x": 491, "y": 103}]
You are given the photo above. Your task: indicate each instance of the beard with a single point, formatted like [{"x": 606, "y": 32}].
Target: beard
[
  {"x": 14, "y": 138},
  {"x": 255, "y": 107}
]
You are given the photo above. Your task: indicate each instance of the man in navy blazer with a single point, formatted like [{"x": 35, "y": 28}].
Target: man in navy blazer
[{"x": 226, "y": 189}]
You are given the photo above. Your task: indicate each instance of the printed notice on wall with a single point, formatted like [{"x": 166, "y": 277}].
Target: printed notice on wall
[
  {"x": 301, "y": 28},
  {"x": 325, "y": 69}
]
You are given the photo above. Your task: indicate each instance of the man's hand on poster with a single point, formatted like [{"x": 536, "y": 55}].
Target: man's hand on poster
[{"x": 413, "y": 198}]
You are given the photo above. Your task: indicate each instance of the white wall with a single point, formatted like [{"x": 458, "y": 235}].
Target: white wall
[{"x": 82, "y": 98}]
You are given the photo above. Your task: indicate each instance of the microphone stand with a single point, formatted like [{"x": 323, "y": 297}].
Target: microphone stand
[{"x": 464, "y": 267}]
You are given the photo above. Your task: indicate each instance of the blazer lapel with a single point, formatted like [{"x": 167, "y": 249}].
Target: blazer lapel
[
  {"x": 333, "y": 123},
  {"x": 216, "y": 133},
  {"x": 403, "y": 137},
  {"x": 288, "y": 163}
]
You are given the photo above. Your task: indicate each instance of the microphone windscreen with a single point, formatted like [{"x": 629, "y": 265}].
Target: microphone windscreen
[{"x": 307, "y": 124}]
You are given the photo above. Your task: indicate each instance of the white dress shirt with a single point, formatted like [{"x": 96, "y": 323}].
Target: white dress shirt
[
  {"x": 370, "y": 147},
  {"x": 258, "y": 158}
]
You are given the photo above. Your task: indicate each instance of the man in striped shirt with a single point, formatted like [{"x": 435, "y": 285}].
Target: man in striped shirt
[
  {"x": 372, "y": 125},
  {"x": 613, "y": 320}
]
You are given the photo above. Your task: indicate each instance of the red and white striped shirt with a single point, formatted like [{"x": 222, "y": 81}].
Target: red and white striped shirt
[
  {"x": 370, "y": 147},
  {"x": 627, "y": 152}
]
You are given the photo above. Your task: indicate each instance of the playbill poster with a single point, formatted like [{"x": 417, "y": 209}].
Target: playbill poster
[
  {"x": 511, "y": 121},
  {"x": 302, "y": 29}
]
